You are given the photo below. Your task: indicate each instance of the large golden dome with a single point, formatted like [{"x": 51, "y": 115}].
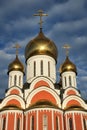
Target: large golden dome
[
  {"x": 41, "y": 45},
  {"x": 16, "y": 65},
  {"x": 67, "y": 66}
]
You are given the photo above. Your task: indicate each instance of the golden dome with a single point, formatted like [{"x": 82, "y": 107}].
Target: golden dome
[
  {"x": 16, "y": 65},
  {"x": 41, "y": 45},
  {"x": 67, "y": 66}
]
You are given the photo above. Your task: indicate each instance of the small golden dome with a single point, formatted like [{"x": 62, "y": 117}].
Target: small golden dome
[
  {"x": 41, "y": 45},
  {"x": 16, "y": 65},
  {"x": 67, "y": 66}
]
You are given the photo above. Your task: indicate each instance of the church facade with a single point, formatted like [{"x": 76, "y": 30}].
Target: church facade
[{"x": 41, "y": 103}]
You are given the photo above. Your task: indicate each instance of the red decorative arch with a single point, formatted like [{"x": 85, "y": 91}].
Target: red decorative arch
[
  {"x": 43, "y": 95},
  {"x": 14, "y": 91},
  {"x": 41, "y": 83},
  {"x": 71, "y": 92},
  {"x": 13, "y": 102},
  {"x": 73, "y": 103}
]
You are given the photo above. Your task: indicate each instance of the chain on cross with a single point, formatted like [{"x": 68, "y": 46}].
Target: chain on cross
[
  {"x": 17, "y": 46},
  {"x": 41, "y": 14},
  {"x": 67, "y": 47}
]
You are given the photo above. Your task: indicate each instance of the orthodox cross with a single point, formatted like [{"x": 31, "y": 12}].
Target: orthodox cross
[
  {"x": 17, "y": 46},
  {"x": 41, "y": 14},
  {"x": 67, "y": 47}
]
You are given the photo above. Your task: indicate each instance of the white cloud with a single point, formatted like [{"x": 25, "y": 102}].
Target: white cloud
[
  {"x": 70, "y": 26},
  {"x": 81, "y": 40},
  {"x": 21, "y": 24},
  {"x": 69, "y": 8}
]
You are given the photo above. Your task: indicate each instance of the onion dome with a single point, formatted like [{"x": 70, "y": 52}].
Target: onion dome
[
  {"x": 41, "y": 45},
  {"x": 16, "y": 65},
  {"x": 67, "y": 66}
]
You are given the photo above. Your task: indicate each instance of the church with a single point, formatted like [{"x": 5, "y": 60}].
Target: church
[{"x": 42, "y": 103}]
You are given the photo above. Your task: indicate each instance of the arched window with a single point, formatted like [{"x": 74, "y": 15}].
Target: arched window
[
  {"x": 70, "y": 81},
  {"x": 84, "y": 123},
  {"x": 45, "y": 122},
  {"x": 65, "y": 81},
  {"x": 41, "y": 67},
  {"x": 49, "y": 69},
  {"x": 70, "y": 124},
  {"x": 19, "y": 80},
  {"x": 34, "y": 68},
  {"x": 32, "y": 123},
  {"x": 56, "y": 123},
  {"x": 4, "y": 123},
  {"x": 15, "y": 80},
  {"x": 18, "y": 124}
]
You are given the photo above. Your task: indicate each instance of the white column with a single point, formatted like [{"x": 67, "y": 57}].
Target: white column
[
  {"x": 37, "y": 120},
  {"x": 82, "y": 122},
  {"x": 6, "y": 121},
  {"x": 74, "y": 125},
  {"x": 52, "y": 120},
  {"x": 15, "y": 122}
]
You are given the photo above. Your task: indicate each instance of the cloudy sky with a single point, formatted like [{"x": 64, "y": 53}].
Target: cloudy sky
[{"x": 66, "y": 23}]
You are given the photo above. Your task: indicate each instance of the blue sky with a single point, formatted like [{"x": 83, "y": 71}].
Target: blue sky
[{"x": 66, "y": 23}]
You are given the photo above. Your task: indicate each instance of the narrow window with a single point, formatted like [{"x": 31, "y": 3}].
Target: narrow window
[
  {"x": 65, "y": 81},
  {"x": 4, "y": 123},
  {"x": 41, "y": 67},
  {"x": 34, "y": 68},
  {"x": 32, "y": 123},
  {"x": 45, "y": 122},
  {"x": 56, "y": 123},
  {"x": 18, "y": 123},
  {"x": 15, "y": 79},
  {"x": 49, "y": 69},
  {"x": 70, "y": 124},
  {"x": 84, "y": 123},
  {"x": 70, "y": 81},
  {"x": 19, "y": 80}
]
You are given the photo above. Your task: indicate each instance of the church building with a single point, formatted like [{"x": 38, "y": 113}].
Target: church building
[{"x": 42, "y": 103}]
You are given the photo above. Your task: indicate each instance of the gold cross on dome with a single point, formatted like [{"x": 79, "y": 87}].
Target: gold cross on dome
[
  {"x": 41, "y": 14},
  {"x": 67, "y": 47},
  {"x": 17, "y": 46}
]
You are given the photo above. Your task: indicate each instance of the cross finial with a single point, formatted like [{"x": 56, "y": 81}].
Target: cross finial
[
  {"x": 67, "y": 47},
  {"x": 41, "y": 14},
  {"x": 17, "y": 46}
]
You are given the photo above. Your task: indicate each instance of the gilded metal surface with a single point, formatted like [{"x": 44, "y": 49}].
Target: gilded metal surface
[
  {"x": 40, "y": 14},
  {"x": 41, "y": 45},
  {"x": 16, "y": 65},
  {"x": 67, "y": 66}
]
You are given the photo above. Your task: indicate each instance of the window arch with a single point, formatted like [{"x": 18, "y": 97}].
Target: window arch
[
  {"x": 18, "y": 123},
  {"x": 41, "y": 67},
  {"x": 70, "y": 123},
  {"x": 84, "y": 123},
  {"x": 56, "y": 123},
  {"x": 4, "y": 123},
  {"x": 65, "y": 81},
  {"x": 15, "y": 80},
  {"x": 32, "y": 123},
  {"x": 48, "y": 68},
  {"x": 19, "y": 80},
  {"x": 70, "y": 83}
]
